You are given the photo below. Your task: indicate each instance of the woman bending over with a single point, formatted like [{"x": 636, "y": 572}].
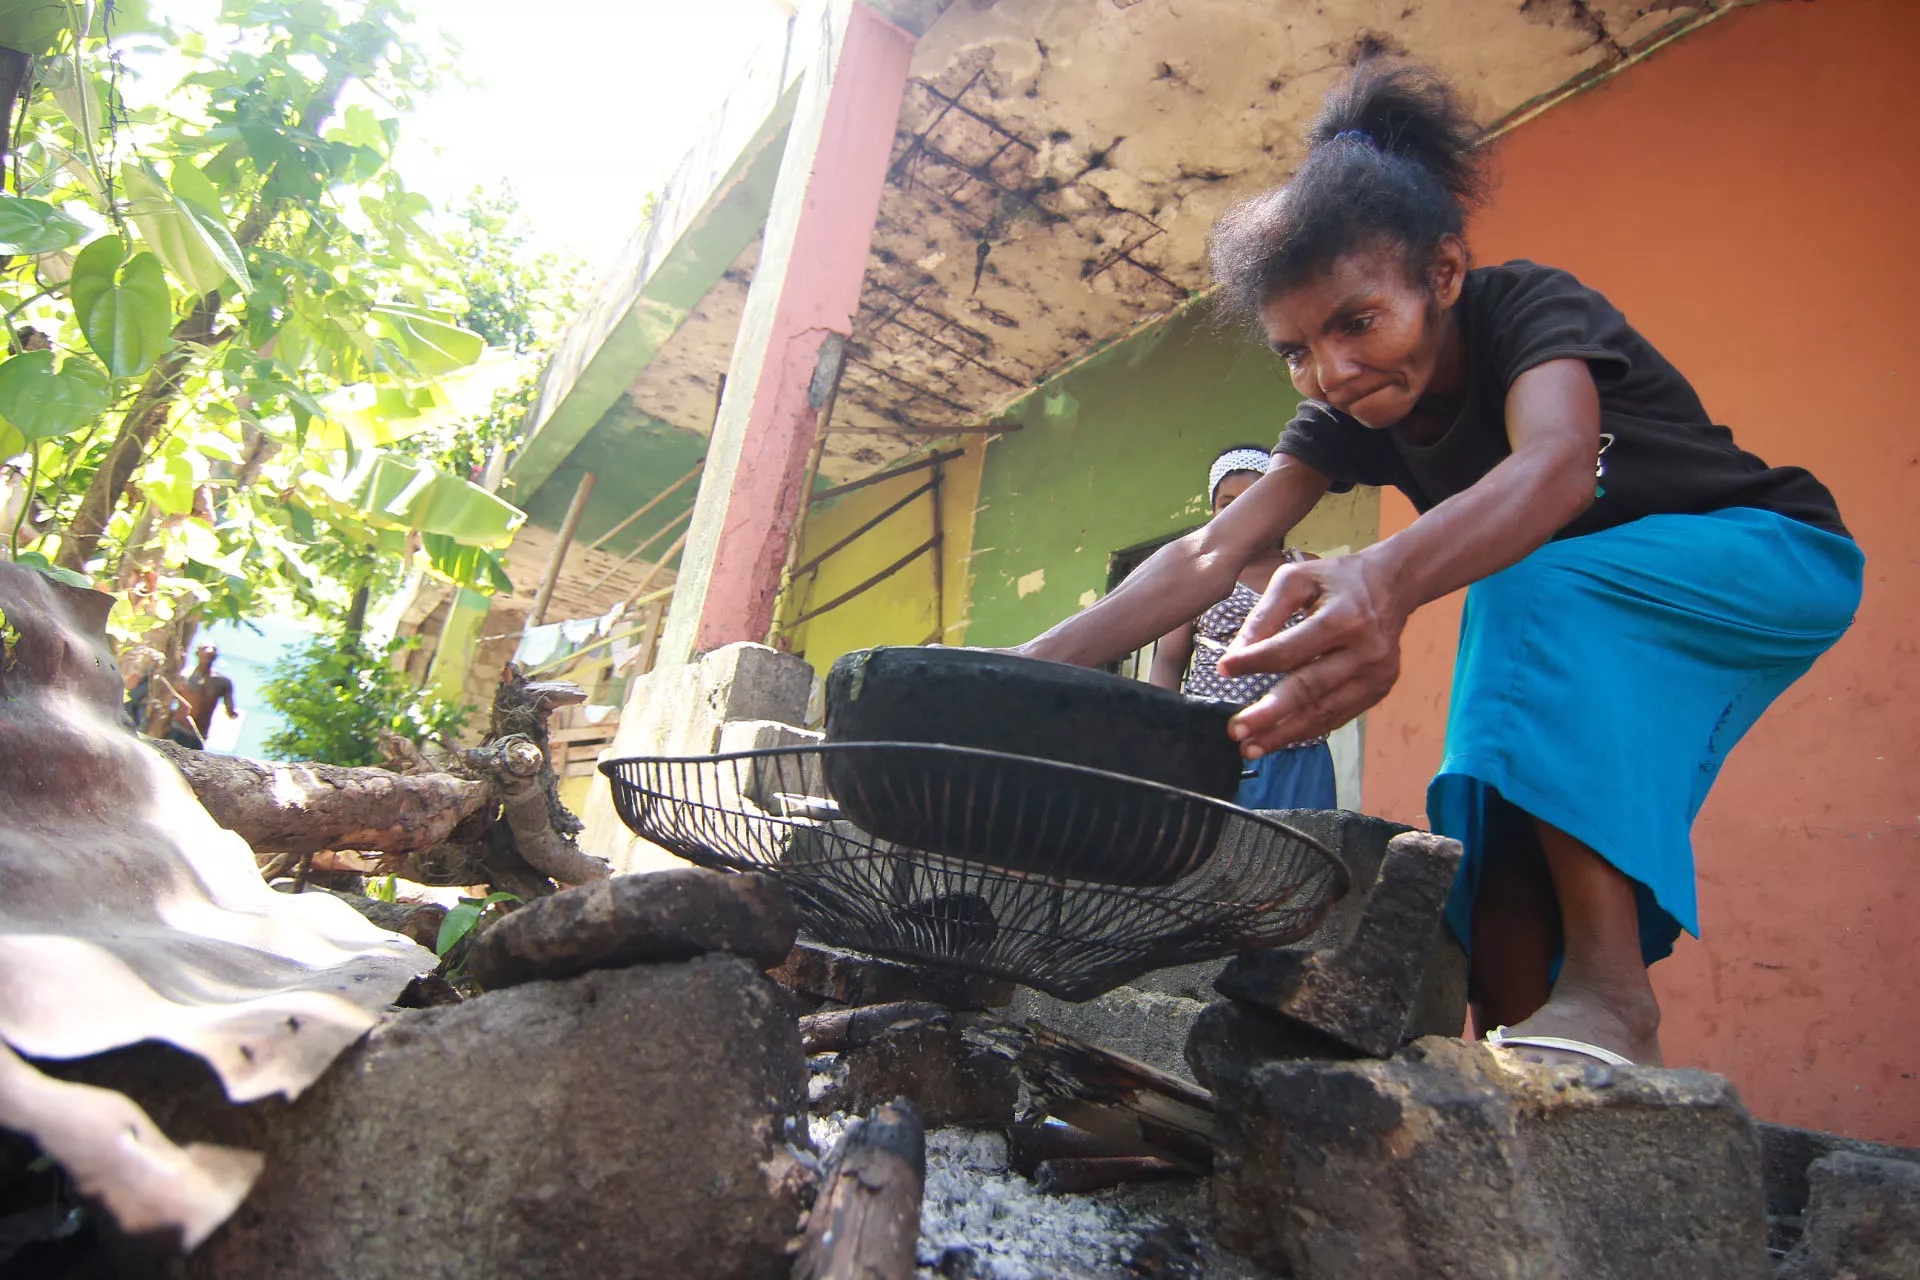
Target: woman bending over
[{"x": 1640, "y": 588}]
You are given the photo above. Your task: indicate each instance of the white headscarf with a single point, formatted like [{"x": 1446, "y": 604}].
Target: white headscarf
[{"x": 1233, "y": 460}]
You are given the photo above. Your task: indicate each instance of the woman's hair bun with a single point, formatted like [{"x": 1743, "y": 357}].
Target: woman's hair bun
[
  {"x": 1392, "y": 155},
  {"x": 1405, "y": 110}
]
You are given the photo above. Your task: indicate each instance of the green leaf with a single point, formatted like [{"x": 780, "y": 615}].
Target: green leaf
[
  {"x": 429, "y": 341},
  {"x": 200, "y": 201},
  {"x": 34, "y": 226},
  {"x": 475, "y": 568},
  {"x": 38, "y": 27},
  {"x": 125, "y": 312},
  {"x": 41, "y": 403},
  {"x": 360, "y": 127},
  {"x": 266, "y": 144},
  {"x": 462, "y": 919},
  {"x": 35, "y": 27},
  {"x": 188, "y": 234},
  {"x": 80, "y": 94},
  {"x": 35, "y": 560},
  {"x": 193, "y": 186},
  {"x": 389, "y": 492},
  {"x": 171, "y": 488},
  {"x": 455, "y": 925}
]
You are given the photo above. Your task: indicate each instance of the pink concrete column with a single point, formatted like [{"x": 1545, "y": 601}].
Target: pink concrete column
[{"x": 798, "y": 315}]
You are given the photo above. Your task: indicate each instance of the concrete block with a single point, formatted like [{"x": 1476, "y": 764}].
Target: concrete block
[
  {"x": 1644, "y": 1171},
  {"x": 1364, "y": 989},
  {"x": 1862, "y": 1221},
  {"x": 779, "y": 774},
  {"x": 1444, "y": 1161},
  {"x": 1787, "y": 1154},
  {"x": 680, "y": 711},
  {"x": 626, "y": 1123},
  {"x": 1151, "y": 1017},
  {"x": 1151, "y": 1026},
  {"x": 1227, "y": 1041}
]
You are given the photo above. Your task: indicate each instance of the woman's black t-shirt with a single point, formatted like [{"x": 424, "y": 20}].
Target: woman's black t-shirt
[{"x": 1659, "y": 452}]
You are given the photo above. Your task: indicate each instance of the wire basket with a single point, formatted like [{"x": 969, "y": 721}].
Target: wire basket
[{"x": 1259, "y": 883}]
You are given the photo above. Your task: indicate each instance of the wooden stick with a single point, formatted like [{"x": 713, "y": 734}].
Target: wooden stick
[
  {"x": 635, "y": 554},
  {"x": 653, "y": 570},
  {"x": 865, "y": 1225},
  {"x": 939, "y": 559},
  {"x": 930, "y": 544},
  {"x": 1119, "y": 1098},
  {"x": 1031, "y": 1145},
  {"x": 649, "y": 637},
  {"x": 561, "y": 541},
  {"x": 651, "y": 503},
  {"x": 880, "y": 477},
  {"x": 837, "y": 1029},
  {"x": 989, "y": 429},
  {"x": 841, "y": 545},
  {"x": 1075, "y": 1175}
]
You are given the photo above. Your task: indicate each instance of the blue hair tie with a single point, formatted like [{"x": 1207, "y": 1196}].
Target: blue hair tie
[{"x": 1359, "y": 136}]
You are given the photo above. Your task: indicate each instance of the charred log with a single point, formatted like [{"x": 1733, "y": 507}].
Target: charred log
[{"x": 865, "y": 1225}]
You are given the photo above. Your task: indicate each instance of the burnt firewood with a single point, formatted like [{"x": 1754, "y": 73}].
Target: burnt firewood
[
  {"x": 1078, "y": 1175},
  {"x": 1115, "y": 1097},
  {"x": 865, "y": 1223},
  {"x": 836, "y": 1029}
]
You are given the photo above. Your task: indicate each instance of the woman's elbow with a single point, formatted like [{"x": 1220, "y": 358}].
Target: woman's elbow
[
  {"x": 1566, "y": 490},
  {"x": 1212, "y": 560}
]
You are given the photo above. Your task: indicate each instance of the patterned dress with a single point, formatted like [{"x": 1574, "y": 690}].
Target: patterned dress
[{"x": 1213, "y": 631}]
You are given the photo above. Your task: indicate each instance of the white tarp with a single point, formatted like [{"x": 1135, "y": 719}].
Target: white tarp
[{"x": 128, "y": 914}]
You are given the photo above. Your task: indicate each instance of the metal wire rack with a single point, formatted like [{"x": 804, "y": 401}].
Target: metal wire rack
[{"x": 1259, "y": 883}]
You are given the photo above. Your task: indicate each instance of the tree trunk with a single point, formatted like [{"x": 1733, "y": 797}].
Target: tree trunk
[
  {"x": 356, "y": 624},
  {"x": 304, "y": 808},
  {"x": 16, "y": 73},
  {"x": 138, "y": 427}
]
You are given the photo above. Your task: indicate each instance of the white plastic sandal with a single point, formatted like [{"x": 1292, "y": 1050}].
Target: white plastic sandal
[{"x": 1499, "y": 1039}]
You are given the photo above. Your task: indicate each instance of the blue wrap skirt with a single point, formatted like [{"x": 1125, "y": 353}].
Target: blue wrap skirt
[
  {"x": 1602, "y": 680},
  {"x": 1291, "y": 778}
]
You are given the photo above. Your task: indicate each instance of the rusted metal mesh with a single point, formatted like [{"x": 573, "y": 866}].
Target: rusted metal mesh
[{"x": 1156, "y": 876}]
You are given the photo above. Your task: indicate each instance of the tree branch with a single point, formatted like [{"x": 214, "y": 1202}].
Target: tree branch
[{"x": 304, "y": 808}]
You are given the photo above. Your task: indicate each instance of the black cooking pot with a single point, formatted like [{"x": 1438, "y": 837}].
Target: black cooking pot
[{"x": 1118, "y": 833}]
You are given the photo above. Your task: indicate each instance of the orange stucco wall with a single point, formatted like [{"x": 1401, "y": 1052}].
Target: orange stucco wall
[{"x": 1750, "y": 197}]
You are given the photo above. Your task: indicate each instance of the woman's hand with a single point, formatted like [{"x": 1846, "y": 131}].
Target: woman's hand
[{"x": 1339, "y": 661}]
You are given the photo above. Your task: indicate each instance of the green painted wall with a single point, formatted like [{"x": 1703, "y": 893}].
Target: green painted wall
[
  {"x": 1114, "y": 454},
  {"x": 633, "y": 458}
]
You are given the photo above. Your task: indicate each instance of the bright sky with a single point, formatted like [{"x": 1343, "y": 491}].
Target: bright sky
[{"x": 585, "y": 106}]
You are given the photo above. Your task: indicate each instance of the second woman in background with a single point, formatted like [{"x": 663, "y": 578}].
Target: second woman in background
[{"x": 1297, "y": 777}]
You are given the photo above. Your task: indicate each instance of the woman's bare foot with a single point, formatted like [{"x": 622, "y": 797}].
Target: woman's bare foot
[{"x": 1624, "y": 1021}]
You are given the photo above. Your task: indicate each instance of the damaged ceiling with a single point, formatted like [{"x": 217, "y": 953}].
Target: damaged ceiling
[{"x": 1059, "y": 163}]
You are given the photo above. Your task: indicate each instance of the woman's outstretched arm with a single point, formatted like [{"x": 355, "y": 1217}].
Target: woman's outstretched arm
[
  {"x": 1185, "y": 577},
  {"x": 1170, "y": 657}
]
